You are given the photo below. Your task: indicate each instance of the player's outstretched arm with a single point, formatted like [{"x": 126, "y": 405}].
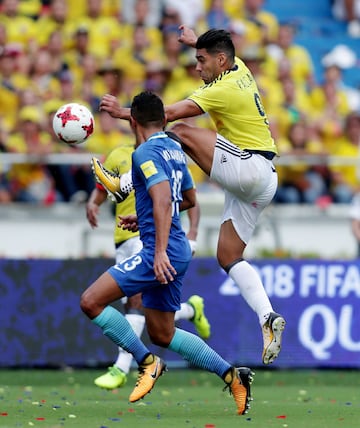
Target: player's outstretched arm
[{"x": 181, "y": 110}]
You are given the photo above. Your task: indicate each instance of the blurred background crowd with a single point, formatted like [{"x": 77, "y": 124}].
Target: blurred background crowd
[{"x": 58, "y": 51}]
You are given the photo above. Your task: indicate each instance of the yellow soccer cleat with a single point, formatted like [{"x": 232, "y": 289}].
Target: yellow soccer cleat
[
  {"x": 117, "y": 186},
  {"x": 199, "y": 319},
  {"x": 239, "y": 386},
  {"x": 272, "y": 336},
  {"x": 149, "y": 371},
  {"x": 114, "y": 378}
]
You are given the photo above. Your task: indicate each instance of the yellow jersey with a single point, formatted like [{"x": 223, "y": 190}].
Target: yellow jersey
[
  {"x": 348, "y": 173},
  {"x": 119, "y": 161},
  {"x": 234, "y": 104}
]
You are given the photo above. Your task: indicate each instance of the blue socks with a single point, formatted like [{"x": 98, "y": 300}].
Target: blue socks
[
  {"x": 193, "y": 349},
  {"x": 197, "y": 352},
  {"x": 117, "y": 328}
]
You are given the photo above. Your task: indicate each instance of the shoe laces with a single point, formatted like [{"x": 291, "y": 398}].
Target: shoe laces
[
  {"x": 114, "y": 371},
  {"x": 141, "y": 374},
  {"x": 114, "y": 173},
  {"x": 227, "y": 386}
]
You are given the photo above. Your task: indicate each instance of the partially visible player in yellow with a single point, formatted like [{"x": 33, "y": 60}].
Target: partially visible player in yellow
[
  {"x": 128, "y": 243},
  {"x": 237, "y": 156}
]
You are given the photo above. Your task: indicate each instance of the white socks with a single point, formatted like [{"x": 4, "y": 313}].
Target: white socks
[
  {"x": 186, "y": 312},
  {"x": 252, "y": 289},
  {"x": 124, "y": 359}
]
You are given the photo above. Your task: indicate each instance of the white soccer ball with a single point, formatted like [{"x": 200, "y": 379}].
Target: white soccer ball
[{"x": 73, "y": 123}]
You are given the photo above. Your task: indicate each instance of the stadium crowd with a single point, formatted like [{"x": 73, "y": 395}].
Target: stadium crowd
[{"x": 56, "y": 51}]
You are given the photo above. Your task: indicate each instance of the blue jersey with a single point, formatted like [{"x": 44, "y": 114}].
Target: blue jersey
[{"x": 161, "y": 159}]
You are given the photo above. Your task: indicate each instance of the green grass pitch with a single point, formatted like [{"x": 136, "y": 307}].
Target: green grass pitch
[{"x": 181, "y": 399}]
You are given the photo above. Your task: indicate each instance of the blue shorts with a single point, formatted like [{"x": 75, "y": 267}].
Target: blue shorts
[{"x": 136, "y": 275}]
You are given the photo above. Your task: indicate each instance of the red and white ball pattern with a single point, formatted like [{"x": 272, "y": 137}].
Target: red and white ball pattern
[{"x": 73, "y": 123}]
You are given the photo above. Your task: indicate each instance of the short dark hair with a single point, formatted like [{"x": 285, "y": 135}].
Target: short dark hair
[
  {"x": 215, "y": 41},
  {"x": 148, "y": 109}
]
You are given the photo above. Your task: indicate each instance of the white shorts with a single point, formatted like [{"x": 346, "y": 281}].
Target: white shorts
[
  {"x": 128, "y": 248},
  {"x": 249, "y": 182}
]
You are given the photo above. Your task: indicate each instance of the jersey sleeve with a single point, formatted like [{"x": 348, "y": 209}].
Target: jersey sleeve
[
  {"x": 148, "y": 166},
  {"x": 209, "y": 97}
]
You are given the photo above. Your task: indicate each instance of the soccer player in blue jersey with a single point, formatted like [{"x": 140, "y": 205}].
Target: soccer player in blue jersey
[
  {"x": 163, "y": 188},
  {"x": 128, "y": 243}
]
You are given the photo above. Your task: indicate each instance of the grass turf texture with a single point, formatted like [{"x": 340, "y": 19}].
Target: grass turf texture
[{"x": 181, "y": 398}]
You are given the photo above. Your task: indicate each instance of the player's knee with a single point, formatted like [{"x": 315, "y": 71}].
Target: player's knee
[{"x": 88, "y": 304}]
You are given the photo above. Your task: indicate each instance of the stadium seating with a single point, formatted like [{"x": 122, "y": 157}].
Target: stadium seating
[
  {"x": 318, "y": 32},
  {"x": 304, "y": 8}
]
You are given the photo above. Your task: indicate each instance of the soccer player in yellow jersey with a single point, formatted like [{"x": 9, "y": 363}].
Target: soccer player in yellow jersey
[
  {"x": 128, "y": 243},
  {"x": 238, "y": 156}
]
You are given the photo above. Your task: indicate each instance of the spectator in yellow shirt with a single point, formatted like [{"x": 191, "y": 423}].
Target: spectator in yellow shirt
[
  {"x": 345, "y": 178},
  {"x": 20, "y": 30},
  {"x": 55, "y": 18},
  {"x": 105, "y": 33},
  {"x": 300, "y": 182},
  {"x": 261, "y": 26},
  {"x": 302, "y": 68},
  {"x": 41, "y": 78},
  {"x": 330, "y": 106},
  {"x": 295, "y": 105}
]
